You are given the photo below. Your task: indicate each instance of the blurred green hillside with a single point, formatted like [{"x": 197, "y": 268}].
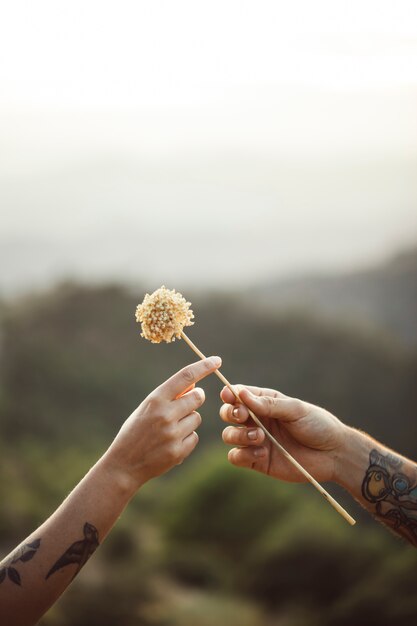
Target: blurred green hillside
[
  {"x": 207, "y": 544},
  {"x": 383, "y": 296}
]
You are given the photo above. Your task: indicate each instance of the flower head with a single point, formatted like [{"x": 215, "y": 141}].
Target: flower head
[{"x": 163, "y": 315}]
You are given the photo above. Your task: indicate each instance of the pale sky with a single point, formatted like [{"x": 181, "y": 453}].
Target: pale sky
[
  {"x": 187, "y": 121},
  {"x": 175, "y": 52}
]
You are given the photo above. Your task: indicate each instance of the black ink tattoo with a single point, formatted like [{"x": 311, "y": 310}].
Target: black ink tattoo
[
  {"x": 393, "y": 493},
  {"x": 79, "y": 552},
  {"x": 24, "y": 553}
]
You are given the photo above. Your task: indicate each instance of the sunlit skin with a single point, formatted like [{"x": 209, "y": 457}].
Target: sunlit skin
[
  {"x": 311, "y": 434},
  {"x": 159, "y": 434},
  {"x": 384, "y": 482}
]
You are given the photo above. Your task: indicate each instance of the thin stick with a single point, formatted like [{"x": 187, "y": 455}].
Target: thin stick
[{"x": 283, "y": 451}]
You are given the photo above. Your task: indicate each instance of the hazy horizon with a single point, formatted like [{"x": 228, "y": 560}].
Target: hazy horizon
[{"x": 212, "y": 147}]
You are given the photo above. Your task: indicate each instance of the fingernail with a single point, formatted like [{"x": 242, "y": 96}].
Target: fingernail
[
  {"x": 259, "y": 452},
  {"x": 235, "y": 414},
  {"x": 253, "y": 434},
  {"x": 215, "y": 360}
]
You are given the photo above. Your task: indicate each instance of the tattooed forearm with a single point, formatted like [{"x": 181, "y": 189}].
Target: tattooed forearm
[
  {"x": 24, "y": 553},
  {"x": 79, "y": 552},
  {"x": 388, "y": 485}
]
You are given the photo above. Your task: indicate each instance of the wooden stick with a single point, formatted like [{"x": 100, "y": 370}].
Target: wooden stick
[{"x": 283, "y": 451}]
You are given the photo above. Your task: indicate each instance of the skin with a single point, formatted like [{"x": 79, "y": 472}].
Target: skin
[
  {"x": 329, "y": 449},
  {"x": 158, "y": 435}
]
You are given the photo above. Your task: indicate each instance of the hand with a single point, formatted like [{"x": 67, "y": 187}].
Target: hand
[
  {"x": 160, "y": 433},
  {"x": 313, "y": 436}
]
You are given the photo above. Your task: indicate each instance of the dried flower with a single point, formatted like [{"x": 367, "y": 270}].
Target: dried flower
[{"x": 163, "y": 315}]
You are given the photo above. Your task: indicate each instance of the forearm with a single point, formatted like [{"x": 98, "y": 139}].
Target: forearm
[
  {"x": 159, "y": 434},
  {"x": 384, "y": 482},
  {"x": 36, "y": 573}
]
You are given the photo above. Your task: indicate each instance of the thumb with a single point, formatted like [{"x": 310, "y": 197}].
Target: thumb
[{"x": 284, "y": 409}]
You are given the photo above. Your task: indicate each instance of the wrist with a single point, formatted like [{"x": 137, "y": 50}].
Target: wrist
[
  {"x": 123, "y": 482},
  {"x": 352, "y": 459}
]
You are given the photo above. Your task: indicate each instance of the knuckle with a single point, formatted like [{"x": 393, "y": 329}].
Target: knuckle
[
  {"x": 198, "y": 420},
  {"x": 232, "y": 456},
  {"x": 191, "y": 444},
  {"x": 208, "y": 365},
  {"x": 265, "y": 405},
  {"x": 165, "y": 418},
  {"x": 299, "y": 407},
  {"x": 227, "y": 434},
  {"x": 242, "y": 435},
  {"x": 199, "y": 396},
  {"x": 269, "y": 405},
  {"x": 153, "y": 402},
  {"x": 173, "y": 452},
  {"x": 228, "y": 412},
  {"x": 187, "y": 374},
  {"x": 171, "y": 432},
  {"x": 166, "y": 432}
]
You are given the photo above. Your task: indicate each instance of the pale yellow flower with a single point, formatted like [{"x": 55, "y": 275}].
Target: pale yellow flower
[{"x": 163, "y": 315}]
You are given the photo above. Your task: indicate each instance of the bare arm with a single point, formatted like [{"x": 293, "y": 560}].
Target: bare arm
[
  {"x": 36, "y": 573},
  {"x": 384, "y": 482},
  {"x": 159, "y": 434}
]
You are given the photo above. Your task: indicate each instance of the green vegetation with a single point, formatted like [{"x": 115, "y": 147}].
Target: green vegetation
[{"x": 207, "y": 544}]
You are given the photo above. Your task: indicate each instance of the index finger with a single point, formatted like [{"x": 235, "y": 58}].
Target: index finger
[
  {"x": 188, "y": 376},
  {"x": 229, "y": 398}
]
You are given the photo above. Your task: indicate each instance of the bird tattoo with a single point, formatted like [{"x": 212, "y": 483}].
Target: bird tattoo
[
  {"x": 23, "y": 553},
  {"x": 79, "y": 552}
]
